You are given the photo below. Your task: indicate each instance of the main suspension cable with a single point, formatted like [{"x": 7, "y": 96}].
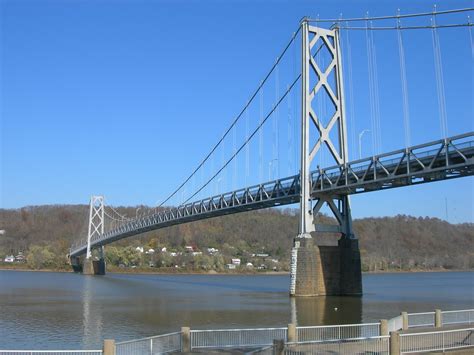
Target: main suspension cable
[{"x": 377, "y": 18}]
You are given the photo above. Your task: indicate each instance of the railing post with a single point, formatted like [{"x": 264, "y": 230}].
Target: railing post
[
  {"x": 438, "y": 321},
  {"x": 108, "y": 347},
  {"x": 278, "y": 346},
  {"x": 186, "y": 339},
  {"x": 404, "y": 320},
  {"x": 383, "y": 328},
  {"x": 151, "y": 346},
  {"x": 292, "y": 333},
  {"x": 394, "y": 343}
]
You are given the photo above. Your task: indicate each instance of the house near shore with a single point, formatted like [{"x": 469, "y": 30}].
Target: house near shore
[{"x": 9, "y": 259}]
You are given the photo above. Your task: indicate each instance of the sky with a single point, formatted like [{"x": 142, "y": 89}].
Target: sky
[{"x": 124, "y": 98}]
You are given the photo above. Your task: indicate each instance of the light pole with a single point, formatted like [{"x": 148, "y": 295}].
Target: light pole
[
  {"x": 218, "y": 186},
  {"x": 360, "y": 141}
]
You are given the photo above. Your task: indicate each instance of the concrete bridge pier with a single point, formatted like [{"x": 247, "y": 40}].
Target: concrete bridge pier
[
  {"x": 93, "y": 267},
  {"x": 88, "y": 266},
  {"x": 327, "y": 270}
]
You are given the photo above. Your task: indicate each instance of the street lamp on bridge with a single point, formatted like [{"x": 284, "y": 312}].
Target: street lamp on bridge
[{"x": 360, "y": 141}]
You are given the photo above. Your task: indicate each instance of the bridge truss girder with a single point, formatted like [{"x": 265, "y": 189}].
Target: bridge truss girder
[{"x": 435, "y": 161}]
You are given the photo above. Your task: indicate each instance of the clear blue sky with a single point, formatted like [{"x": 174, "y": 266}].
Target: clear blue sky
[{"x": 124, "y": 98}]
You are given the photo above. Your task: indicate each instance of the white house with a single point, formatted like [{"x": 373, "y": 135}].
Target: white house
[
  {"x": 230, "y": 266},
  {"x": 139, "y": 249},
  {"x": 9, "y": 259},
  {"x": 236, "y": 261}
]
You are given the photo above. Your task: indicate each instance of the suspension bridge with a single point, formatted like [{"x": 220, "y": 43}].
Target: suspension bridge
[{"x": 321, "y": 121}]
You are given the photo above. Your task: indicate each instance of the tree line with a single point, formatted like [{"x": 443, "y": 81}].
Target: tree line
[{"x": 44, "y": 234}]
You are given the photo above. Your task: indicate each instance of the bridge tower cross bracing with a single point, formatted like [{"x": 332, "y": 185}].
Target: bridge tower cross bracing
[
  {"x": 328, "y": 270},
  {"x": 96, "y": 222}
]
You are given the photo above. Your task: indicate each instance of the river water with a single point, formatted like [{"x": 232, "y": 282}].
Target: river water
[{"x": 40, "y": 310}]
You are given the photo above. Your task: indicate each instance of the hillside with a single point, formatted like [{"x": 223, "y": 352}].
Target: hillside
[{"x": 44, "y": 233}]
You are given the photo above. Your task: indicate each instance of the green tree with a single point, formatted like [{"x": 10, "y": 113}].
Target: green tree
[{"x": 40, "y": 257}]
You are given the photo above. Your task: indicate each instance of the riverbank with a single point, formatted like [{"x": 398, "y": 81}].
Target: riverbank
[{"x": 172, "y": 271}]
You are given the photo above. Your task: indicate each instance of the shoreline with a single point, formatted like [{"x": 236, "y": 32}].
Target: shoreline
[{"x": 266, "y": 273}]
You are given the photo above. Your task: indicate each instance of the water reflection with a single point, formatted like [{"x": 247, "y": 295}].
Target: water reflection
[
  {"x": 91, "y": 315},
  {"x": 307, "y": 311},
  {"x": 70, "y": 311}
]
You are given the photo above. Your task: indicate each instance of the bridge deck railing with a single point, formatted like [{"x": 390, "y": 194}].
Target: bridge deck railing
[{"x": 438, "y": 160}]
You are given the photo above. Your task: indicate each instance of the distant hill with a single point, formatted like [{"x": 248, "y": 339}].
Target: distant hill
[{"x": 400, "y": 242}]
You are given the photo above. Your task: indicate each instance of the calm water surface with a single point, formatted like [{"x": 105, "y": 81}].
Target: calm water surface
[{"x": 70, "y": 311}]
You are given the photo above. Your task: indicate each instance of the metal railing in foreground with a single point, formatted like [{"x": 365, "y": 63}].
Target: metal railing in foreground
[
  {"x": 424, "y": 319},
  {"x": 371, "y": 345},
  {"x": 337, "y": 332},
  {"x": 436, "y": 341},
  {"x": 458, "y": 317},
  {"x": 236, "y": 338},
  {"x": 50, "y": 352},
  {"x": 160, "y": 344}
]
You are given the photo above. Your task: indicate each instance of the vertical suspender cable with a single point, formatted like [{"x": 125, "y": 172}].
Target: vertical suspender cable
[
  {"x": 371, "y": 95},
  {"x": 222, "y": 175},
  {"x": 403, "y": 77},
  {"x": 351, "y": 97},
  {"x": 247, "y": 147},
  {"x": 439, "y": 77},
  {"x": 234, "y": 149},
  {"x": 376, "y": 96},
  {"x": 289, "y": 134},
  {"x": 470, "y": 36},
  {"x": 373, "y": 90},
  {"x": 276, "y": 120},
  {"x": 260, "y": 137}
]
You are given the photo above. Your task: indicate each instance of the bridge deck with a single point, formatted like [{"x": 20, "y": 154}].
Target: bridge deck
[{"x": 434, "y": 161}]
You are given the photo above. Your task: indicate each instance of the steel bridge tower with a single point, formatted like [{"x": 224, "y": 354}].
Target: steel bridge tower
[
  {"x": 95, "y": 230},
  {"x": 323, "y": 270}
]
